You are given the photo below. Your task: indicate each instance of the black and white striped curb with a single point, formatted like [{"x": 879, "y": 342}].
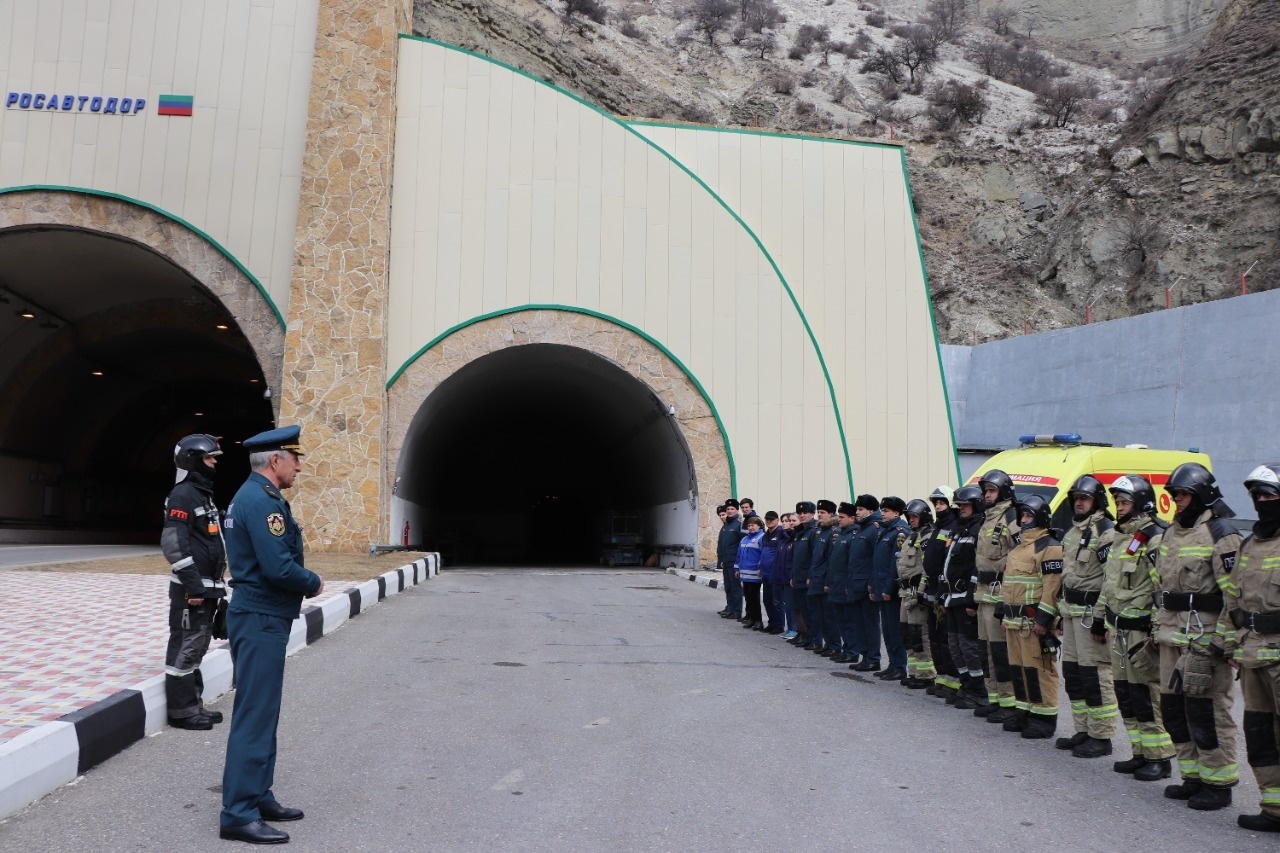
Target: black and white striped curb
[
  {"x": 704, "y": 578},
  {"x": 42, "y": 760}
]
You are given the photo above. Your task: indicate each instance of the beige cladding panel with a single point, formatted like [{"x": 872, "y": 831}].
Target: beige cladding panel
[
  {"x": 232, "y": 169},
  {"x": 507, "y": 192},
  {"x": 836, "y": 218}
]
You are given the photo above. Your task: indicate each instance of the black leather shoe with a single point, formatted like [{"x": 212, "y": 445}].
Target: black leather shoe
[
  {"x": 918, "y": 683},
  {"x": 275, "y": 811},
  {"x": 840, "y": 657},
  {"x": 1071, "y": 742},
  {"x": 1128, "y": 766},
  {"x": 1000, "y": 716},
  {"x": 215, "y": 717},
  {"x": 865, "y": 666},
  {"x": 198, "y": 723},
  {"x": 1209, "y": 799},
  {"x": 1258, "y": 822},
  {"x": 1092, "y": 747},
  {"x": 827, "y": 652},
  {"x": 254, "y": 833}
]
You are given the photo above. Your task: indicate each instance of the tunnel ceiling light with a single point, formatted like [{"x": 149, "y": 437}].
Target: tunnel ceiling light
[
  {"x": 254, "y": 381},
  {"x": 25, "y": 313},
  {"x": 199, "y": 414},
  {"x": 222, "y": 327},
  {"x": 96, "y": 373}
]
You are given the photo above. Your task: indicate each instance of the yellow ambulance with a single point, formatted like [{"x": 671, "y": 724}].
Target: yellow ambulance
[{"x": 1047, "y": 465}]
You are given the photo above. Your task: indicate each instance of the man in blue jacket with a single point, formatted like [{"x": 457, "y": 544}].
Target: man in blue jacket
[
  {"x": 264, "y": 550},
  {"x": 726, "y": 554},
  {"x": 864, "y": 617},
  {"x": 884, "y": 585}
]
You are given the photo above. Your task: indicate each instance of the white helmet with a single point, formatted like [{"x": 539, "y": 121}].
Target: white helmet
[{"x": 943, "y": 493}]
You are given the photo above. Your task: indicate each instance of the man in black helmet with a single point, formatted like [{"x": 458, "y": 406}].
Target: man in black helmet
[
  {"x": 1193, "y": 573},
  {"x": 947, "y": 683},
  {"x": 997, "y": 537},
  {"x": 1252, "y": 615},
  {"x": 192, "y": 543},
  {"x": 956, "y": 579},
  {"x": 1086, "y": 661}
]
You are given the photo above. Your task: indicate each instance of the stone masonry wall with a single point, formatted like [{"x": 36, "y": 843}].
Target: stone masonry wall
[{"x": 336, "y": 347}]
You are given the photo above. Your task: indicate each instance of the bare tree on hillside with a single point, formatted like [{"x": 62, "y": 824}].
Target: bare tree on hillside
[
  {"x": 710, "y": 17},
  {"x": 763, "y": 15},
  {"x": 915, "y": 52},
  {"x": 762, "y": 44},
  {"x": 809, "y": 35},
  {"x": 989, "y": 55},
  {"x": 1062, "y": 99},
  {"x": 953, "y": 102},
  {"x": 576, "y": 10},
  {"x": 949, "y": 16},
  {"x": 884, "y": 62},
  {"x": 1000, "y": 18}
]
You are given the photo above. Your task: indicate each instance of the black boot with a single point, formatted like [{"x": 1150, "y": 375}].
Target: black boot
[
  {"x": 1040, "y": 726},
  {"x": 1129, "y": 766},
  {"x": 1071, "y": 742},
  {"x": 1184, "y": 791},
  {"x": 1209, "y": 799},
  {"x": 986, "y": 710},
  {"x": 1002, "y": 716},
  {"x": 1092, "y": 747},
  {"x": 1258, "y": 822},
  {"x": 1154, "y": 771},
  {"x": 1018, "y": 723}
]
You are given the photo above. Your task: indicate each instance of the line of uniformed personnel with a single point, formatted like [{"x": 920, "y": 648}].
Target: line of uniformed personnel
[{"x": 976, "y": 596}]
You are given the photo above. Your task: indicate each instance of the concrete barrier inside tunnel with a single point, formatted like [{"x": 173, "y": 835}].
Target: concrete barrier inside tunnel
[{"x": 538, "y": 454}]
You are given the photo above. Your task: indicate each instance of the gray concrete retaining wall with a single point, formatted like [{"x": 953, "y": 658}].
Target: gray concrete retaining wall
[{"x": 1199, "y": 376}]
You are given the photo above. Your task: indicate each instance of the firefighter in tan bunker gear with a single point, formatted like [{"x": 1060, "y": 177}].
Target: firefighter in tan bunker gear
[
  {"x": 996, "y": 538},
  {"x": 1086, "y": 663},
  {"x": 1128, "y": 608},
  {"x": 1032, "y": 580},
  {"x": 1252, "y": 614},
  {"x": 1192, "y": 574}
]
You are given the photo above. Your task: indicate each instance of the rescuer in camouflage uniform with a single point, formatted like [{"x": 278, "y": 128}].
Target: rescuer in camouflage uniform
[
  {"x": 1192, "y": 575},
  {"x": 1127, "y": 605},
  {"x": 1254, "y": 630},
  {"x": 1086, "y": 662}
]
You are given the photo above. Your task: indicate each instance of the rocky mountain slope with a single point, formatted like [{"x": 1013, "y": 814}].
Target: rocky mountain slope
[{"x": 1153, "y": 175}]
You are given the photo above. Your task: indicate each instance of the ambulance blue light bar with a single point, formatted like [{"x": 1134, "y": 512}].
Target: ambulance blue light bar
[{"x": 1056, "y": 438}]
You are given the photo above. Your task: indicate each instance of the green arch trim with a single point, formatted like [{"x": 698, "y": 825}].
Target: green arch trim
[
  {"x": 804, "y": 321},
  {"x": 167, "y": 215},
  {"x": 933, "y": 322},
  {"x": 572, "y": 309}
]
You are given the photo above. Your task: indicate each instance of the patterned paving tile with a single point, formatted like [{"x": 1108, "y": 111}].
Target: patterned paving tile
[{"x": 69, "y": 640}]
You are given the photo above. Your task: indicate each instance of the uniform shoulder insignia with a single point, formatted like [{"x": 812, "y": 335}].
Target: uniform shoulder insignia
[
  {"x": 266, "y": 487},
  {"x": 275, "y": 523},
  {"x": 1221, "y": 528}
]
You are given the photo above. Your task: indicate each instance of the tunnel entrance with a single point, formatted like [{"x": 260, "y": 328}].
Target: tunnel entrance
[
  {"x": 109, "y": 353},
  {"x": 545, "y": 454}
]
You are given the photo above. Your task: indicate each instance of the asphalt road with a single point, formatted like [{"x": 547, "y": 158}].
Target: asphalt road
[{"x": 597, "y": 710}]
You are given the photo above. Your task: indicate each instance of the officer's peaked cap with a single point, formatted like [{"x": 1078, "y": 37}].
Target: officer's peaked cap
[{"x": 283, "y": 438}]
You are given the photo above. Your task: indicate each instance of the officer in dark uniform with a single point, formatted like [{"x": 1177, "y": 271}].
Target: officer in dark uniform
[
  {"x": 820, "y": 632},
  {"x": 264, "y": 546},
  {"x": 727, "y": 542},
  {"x": 192, "y": 543},
  {"x": 803, "y": 535}
]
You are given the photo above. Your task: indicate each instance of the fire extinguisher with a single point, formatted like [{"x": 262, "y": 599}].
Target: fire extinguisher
[{"x": 406, "y": 534}]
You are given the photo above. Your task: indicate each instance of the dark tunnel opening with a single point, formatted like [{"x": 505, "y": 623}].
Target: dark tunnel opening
[
  {"x": 545, "y": 454},
  {"x": 109, "y": 353}
]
